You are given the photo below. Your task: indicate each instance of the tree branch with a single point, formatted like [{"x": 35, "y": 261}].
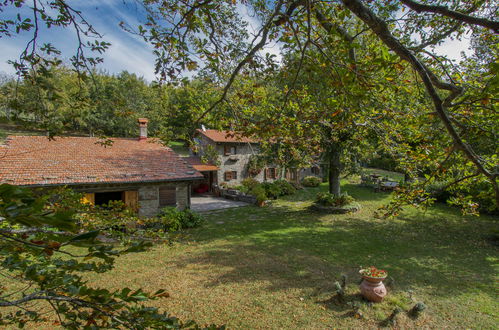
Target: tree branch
[
  {"x": 263, "y": 40},
  {"x": 380, "y": 28},
  {"x": 330, "y": 27},
  {"x": 437, "y": 38},
  {"x": 48, "y": 296},
  {"x": 445, "y": 11}
]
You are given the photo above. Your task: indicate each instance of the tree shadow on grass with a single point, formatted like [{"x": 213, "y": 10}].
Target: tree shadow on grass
[
  {"x": 361, "y": 193},
  {"x": 420, "y": 252}
]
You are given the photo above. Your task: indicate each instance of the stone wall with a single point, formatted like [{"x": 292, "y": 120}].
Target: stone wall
[
  {"x": 238, "y": 162},
  {"x": 183, "y": 192},
  {"x": 148, "y": 201},
  {"x": 149, "y": 198}
]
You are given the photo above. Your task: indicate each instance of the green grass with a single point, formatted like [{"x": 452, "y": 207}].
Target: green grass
[
  {"x": 179, "y": 147},
  {"x": 395, "y": 176},
  {"x": 275, "y": 267},
  {"x": 7, "y": 129}
]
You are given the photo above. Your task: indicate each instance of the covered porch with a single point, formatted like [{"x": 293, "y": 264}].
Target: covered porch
[{"x": 209, "y": 172}]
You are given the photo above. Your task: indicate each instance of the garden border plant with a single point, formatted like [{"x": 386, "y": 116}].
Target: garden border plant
[
  {"x": 311, "y": 181},
  {"x": 327, "y": 202}
]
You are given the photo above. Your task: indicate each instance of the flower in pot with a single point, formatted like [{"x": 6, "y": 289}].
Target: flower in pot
[{"x": 372, "y": 287}]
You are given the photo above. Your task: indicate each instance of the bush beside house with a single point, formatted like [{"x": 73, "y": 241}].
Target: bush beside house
[
  {"x": 311, "y": 181},
  {"x": 253, "y": 191}
]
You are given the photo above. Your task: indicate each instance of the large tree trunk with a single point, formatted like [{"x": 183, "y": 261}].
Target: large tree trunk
[{"x": 334, "y": 171}]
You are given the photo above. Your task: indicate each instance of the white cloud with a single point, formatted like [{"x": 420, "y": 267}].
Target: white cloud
[
  {"x": 254, "y": 25},
  {"x": 453, "y": 48},
  {"x": 127, "y": 52},
  {"x": 132, "y": 57},
  {"x": 10, "y": 51}
]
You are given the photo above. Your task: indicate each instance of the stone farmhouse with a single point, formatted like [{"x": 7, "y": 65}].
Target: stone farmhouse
[
  {"x": 141, "y": 172},
  {"x": 234, "y": 153}
]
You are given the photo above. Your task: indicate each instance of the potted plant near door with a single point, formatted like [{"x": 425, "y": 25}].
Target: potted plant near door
[{"x": 372, "y": 287}]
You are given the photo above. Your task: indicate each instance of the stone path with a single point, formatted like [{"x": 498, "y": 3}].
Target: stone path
[{"x": 210, "y": 203}]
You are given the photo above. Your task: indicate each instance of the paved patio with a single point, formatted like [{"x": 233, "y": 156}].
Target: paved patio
[{"x": 210, "y": 203}]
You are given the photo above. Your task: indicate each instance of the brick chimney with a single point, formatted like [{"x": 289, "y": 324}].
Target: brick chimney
[{"x": 143, "y": 128}]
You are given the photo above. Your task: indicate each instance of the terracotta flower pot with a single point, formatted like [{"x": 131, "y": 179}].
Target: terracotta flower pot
[{"x": 372, "y": 288}]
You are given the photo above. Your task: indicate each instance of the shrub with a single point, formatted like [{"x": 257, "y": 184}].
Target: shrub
[
  {"x": 271, "y": 190},
  {"x": 311, "y": 181},
  {"x": 276, "y": 189},
  {"x": 259, "y": 192},
  {"x": 479, "y": 192},
  {"x": 167, "y": 223},
  {"x": 384, "y": 162},
  {"x": 242, "y": 189},
  {"x": 172, "y": 219},
  {"x": 249, "y": 183},
  {"x": 328, "y": 199},
  {"x": 437, "y": 191},
  {"x": 285, "y": 187}
]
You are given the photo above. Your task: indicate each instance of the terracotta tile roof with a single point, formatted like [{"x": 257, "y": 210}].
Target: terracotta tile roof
[
  {"x": 36, "y": 160},
  {"x": 225, "y": 136},
  {"x": 198, "y": 164}
]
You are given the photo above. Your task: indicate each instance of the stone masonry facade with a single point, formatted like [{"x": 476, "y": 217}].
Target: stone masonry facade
[
  {"x": 149, "y": 198},
  {"x": 237, "y": 162}
]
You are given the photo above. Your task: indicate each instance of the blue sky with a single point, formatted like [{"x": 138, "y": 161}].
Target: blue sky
[{"x": 127, "y": 52}]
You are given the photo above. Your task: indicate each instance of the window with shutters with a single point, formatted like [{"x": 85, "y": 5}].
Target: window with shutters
[
  {"x": 271, "y": 173},
  {"x": 316, "y": 170},
  {"x": 230, "y": 175},
  {"x": 167, "y": 196}
]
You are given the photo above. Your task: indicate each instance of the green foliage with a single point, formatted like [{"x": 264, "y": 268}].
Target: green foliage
[
  {"x": 62, "y": 102},
  {"x": 384, "y": 162},
  {"x": 174, "y": 219},
  {"x": 255, "y": 164},
  {"x": 278, "y": 188},
  {"x": 271, "y": 190},
  {"x": 328, "y": 199},
  {"x": 438, "y": 191},
  {"x": 478, "y": 197},
  {"x": 265, "y": 190},
  {"x": 285, "y": 187},
  {"x": 45, "y": 256},
  {"x": 311, "y": 181},
  {"x": 250, "y": 183},
  {"x": 350, "y": 94},
  {"x": 260, "y": 193},
  {"x": 210, "y": 155},
  {"x": 242, "y": 189}
]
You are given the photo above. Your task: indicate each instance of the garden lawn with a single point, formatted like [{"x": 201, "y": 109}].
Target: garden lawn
[
  {"x": 275, "y": 267},
  {"x": 180, "y": 148}
]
